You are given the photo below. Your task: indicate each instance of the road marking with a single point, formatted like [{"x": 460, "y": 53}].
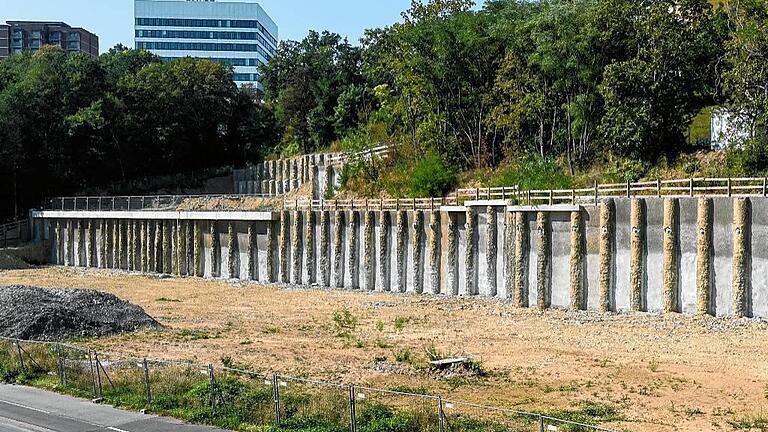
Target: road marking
[
  {"x": 24, "y": 406},
  {"x": 116, "y": 429}
]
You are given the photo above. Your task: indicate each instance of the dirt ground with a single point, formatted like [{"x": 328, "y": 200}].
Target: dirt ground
[{"x": 663, "y": 374}]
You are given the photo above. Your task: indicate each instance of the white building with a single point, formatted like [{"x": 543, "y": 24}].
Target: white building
[
  {"x": 240, "y": 34},
  {"x": 729, "y": 129}
]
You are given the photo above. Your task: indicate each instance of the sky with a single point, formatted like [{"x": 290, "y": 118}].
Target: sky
[{"x": 112, "y": 20}]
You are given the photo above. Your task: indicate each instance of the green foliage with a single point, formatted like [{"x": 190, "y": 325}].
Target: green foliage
[
  {"x": 316, "y": 88},
  {"x": 588, "y": 412},
  {"x": 345, "y": 323},
  {"x": 751, "y": 159},
  {"x": 430, "y": 176},
  {"x": 70, "y": 123},
  {"x": 532, "y": 172}
]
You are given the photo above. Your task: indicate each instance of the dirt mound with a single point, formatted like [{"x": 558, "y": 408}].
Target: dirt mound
[
  {"x": 55, "y": 314},
  {"x": 244, "y": 203}
]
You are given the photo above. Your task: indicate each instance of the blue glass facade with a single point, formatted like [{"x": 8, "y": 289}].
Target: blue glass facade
[{"x": 239, "y": 34}]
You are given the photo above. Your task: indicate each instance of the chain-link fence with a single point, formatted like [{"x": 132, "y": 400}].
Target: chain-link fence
[{"x": 240, "y": 399}]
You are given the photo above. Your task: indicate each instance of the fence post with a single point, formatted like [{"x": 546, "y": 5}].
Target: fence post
[
  {"x": 658, "y": 188},
  {"x": 58, "y": 364},
  {"x": 146, "y": 382},
  {"x": 765, "y": 186},
  {"x": 212, "y": 384},
  {"x": 93, "y": 376},
  {"x": 21, "y": 357},
  {"x": 629, "y": 189},
  {"x": 98, "y": 374},
  {"x": 276, "y": 397},
  {"x": 730, "y": 188},
  {"x": 352, "y": 409},
  {"x": 596, "y": 194},
  {"x": 541, "y": 423},
  {"x": 691, "y": 187},
  {"x": 440, "y": 414}
]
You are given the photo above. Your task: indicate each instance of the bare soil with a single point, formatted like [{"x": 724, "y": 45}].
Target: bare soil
[{"x": 662, "y": 373}]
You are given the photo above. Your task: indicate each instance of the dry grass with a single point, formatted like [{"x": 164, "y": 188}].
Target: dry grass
[{"x": 663, "y": 374}]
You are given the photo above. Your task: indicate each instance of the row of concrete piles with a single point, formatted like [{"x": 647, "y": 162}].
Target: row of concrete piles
[
  {"x": 278, "y": 177},
  {"x": 294, "y": 256},
  {"x": 150, "y": 246}
]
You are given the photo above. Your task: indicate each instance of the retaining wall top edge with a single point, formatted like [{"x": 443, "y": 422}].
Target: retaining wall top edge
[
  {"x": 160, "y": 215},
  {"x": 546, "y": 208}
]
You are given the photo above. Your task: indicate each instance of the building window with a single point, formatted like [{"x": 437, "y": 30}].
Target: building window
[
  {"x": 178, "y": 22},
  {"x": 189, "y": 34},
  {"x": 54, "y": 37},
  {"x": 201, "y": 46}
]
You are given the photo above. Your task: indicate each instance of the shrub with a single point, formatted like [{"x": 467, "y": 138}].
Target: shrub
[
  {"x": 344, "y": 323},
  {"x": 751, "y": 160},
  {"x": 531, "y": 173}
]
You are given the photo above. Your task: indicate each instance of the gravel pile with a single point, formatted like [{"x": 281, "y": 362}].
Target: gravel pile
[{"x": 56, "y": 314}]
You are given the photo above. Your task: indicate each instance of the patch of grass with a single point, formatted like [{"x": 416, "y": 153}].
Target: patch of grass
[
  {"x": 531, "y": 172},
  {"x": 433, "y": 353},
  {"x": 752, "y": 423},
  {"x": 194, "y": 335},
  {"x": 344, "y": 323},
  {"x": 653, "y": 365},
  {"x": 404, "y": 355},
  {"x": 412, "y": 390},
  {"x": 380, "y": 326},
  {"x": 168, "y": 300},
  {"x": 400, "y": 323},
  {"x": 587, "y": 412}
]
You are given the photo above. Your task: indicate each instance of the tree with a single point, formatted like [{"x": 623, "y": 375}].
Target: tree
[
  {"x": 305, "y": 81},
  {"x": 668, "y": 74}
]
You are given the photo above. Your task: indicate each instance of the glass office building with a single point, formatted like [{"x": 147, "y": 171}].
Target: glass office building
[{"x": 240, "y": 34}]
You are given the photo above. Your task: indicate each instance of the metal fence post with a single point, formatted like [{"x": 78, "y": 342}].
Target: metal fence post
[
  {"x": 440, "y": 414},
  {"x": 60, "y": 369},
  {"x": 21, "y": 357},
  {"x": 146, "y": 382},
  {"x": 352, "y": 409},
  {"x": 212, "y": 383},
  {"x": 98, "y": 375},
  {"x": 276, "y": 397},
  {"x": 93, "y": 375},
  {"x": 541, "y": 423}
]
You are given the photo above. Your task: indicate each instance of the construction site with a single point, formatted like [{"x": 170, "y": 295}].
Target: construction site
[{"x": 635, "y": 306}]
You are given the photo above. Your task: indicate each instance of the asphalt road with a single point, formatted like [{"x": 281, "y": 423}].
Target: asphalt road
[{"x": 24, "y": 409}]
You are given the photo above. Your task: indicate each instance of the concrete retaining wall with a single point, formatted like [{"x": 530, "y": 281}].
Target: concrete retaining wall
[
  {"x": 279, "y": 177},
  {"x": 692, "y": 256}
]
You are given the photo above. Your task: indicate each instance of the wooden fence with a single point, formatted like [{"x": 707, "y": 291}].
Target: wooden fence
[{"x": 14, "y": 234}]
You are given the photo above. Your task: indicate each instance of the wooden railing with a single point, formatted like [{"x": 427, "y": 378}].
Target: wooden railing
[
  {"x": 14, "y": 234},
  {"x": 366, "y": 155}
]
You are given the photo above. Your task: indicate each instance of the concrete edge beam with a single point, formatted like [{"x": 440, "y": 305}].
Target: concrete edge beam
[{"x": 160, "y": 215}]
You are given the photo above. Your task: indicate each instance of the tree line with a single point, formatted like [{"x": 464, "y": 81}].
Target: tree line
[
  {"x": 73, "y": 124},
  {"x": 569, "y": 79}
]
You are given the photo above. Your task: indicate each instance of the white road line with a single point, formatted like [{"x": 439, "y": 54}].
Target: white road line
[
  {"x": 24, "y": 406},
  {"x": 116, "y": 429}
]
